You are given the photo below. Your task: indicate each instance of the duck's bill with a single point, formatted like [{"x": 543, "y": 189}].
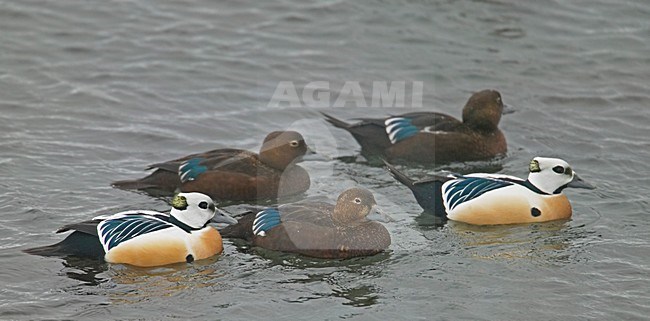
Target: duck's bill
[
  {"x": 312, "y": 156},
  {"x": 507, "y": 109},
  {"x": 376, "y": 214},
  {"x": 220, "y": 216},
  {"x": 577, "y": 182}
]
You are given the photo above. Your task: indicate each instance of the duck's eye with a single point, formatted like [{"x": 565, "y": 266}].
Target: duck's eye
[
  {"x": 203, "y": 205},
  {"x": 357, "y": 201},
  {"x": 558, "y": 169},
  {"x": 568, "y": 171},
  {"x": 498, "y": 99},
  {"x": 294, "y": 143}
]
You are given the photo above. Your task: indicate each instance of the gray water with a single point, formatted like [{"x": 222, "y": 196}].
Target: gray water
[{"x": 92, "y": 92}]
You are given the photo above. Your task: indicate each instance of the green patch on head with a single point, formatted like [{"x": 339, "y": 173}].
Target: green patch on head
[
  {"x": 534, "y": 166},
  {"x": 179, "y": 202}
]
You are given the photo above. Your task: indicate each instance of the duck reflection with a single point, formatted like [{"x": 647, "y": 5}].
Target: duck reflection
[
  {"x": 555, "y": 242},
  {"x": 325, "y": 278},
  {"x": 361, "y": 296},
  {"x": 130, "y": 284},
  {"x": 430, "y": 220},
  {"x": 143, "y": 284},
  {"x": 85, "y": 270},
  {"x": 336, "y": 285}
]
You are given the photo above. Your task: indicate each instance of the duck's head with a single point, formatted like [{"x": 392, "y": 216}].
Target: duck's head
[
  {"x": 281, "y": 148},
  {"x": 357, "y": 205},
  {"x": 483, "y": 111},
  {"x": 552, "y": 175},
  {"x": 196, "y": 210}
]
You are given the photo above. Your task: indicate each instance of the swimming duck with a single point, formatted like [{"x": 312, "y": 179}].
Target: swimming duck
[
  {"x": 318, "y": 229},
  {"x": 146, "y": 238},
  {"x": 491, "y": 199},
  {"x": 427, "y": 137},
  {"x": 233, "y": 174}
]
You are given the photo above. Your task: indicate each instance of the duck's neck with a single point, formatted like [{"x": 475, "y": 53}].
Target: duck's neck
[
  {"x": 341, "y": 218},
  {"x": 533, "y": 188},
  {"x": 187, "y": 220},
  {"x": 182, "y": 225},
  {"x": 482, "y": 126},
  {"x": 274, "y": 159},
  {"x": 542, "y": 186},
  {"x": 481, "y": 120}
]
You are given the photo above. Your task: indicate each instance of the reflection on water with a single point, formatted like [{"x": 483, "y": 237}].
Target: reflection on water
[
  {"x": 428, "y": 219},
  {"x": 361, "y": 296},
  {"x": 130, "y": 284},
  {"x": 124, "y": 284},
  {"x": 357, "y": 295},
  {"x": 85, "y": 270},
  {"x": 143, "y": 284},
  {"x": 93, "y": 93},
  {"x": 555, "y": 242},
  {"x": 323, "y": 278}
]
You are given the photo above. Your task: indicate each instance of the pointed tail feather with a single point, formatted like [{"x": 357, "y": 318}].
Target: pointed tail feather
[
  {"x": 49, "y": 250},
  {"x": 336, "y": 122},
  {"x": 76, "y": 244},
  {"x": 428, "y": 193},
  {"x": 399, "y": 176},
  {"x": 159, "y": 180},
  {"x": 131, "y": 184}
]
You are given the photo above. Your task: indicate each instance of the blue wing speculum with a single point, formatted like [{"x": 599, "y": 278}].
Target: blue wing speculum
[
  {"x": 400, "y": 128},
  {"x": 266, "y": 220},
  {"x": 116, "y": 230},
  {"x": 464, "y": 189},
  {"x": 191, "y": 169}
]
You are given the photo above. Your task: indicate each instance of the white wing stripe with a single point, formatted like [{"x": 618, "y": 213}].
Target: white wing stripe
[{"x": 390, "y": 121}]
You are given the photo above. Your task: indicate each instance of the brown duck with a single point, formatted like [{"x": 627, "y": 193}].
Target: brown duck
[
  {"x": 233, "y": 174},
  {"x": 318, "y": 229},
  {"x": 430, "y": 138}
]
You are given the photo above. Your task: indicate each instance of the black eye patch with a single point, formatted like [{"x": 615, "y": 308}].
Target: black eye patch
[
  {"x": 203, "y": 205},
  {"x": 558, "y": 169}
]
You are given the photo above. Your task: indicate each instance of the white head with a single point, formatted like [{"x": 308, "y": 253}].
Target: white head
[
  {"x": 196, "y": 210},
  {"x": 552, "y": 175}
]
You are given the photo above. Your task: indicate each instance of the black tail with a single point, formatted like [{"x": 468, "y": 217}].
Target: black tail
[
  {"x": 428, "y": 192},
  {"x": 399, "y": 176},
  {"x": 76, "y": 244},
  {"x": 336, "y": 122}
]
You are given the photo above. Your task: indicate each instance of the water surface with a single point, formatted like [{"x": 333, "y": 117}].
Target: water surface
[{"x": 93, "y": 92}]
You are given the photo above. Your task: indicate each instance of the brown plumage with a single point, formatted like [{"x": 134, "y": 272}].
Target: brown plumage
[
  {"x": 235, "y": 174},
  {"x": 319, "y": 229},
  {"x": 440, "y": 138}
]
